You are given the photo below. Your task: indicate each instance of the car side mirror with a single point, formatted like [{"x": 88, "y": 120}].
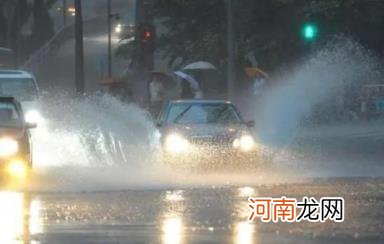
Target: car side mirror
[
  {"x": 250, "y": 123},
  {"x": 30, "y": 125},
  {"x": 159, "y": 124}
]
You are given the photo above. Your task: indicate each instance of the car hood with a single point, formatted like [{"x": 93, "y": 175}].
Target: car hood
[
  {"x": 14, "y": 132},
  {"x": 30, "y": 105},
  {"x": 204, "y": 130}
]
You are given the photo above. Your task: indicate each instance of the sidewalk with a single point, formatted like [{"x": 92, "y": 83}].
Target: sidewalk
[{"x": 353, "y": 129}]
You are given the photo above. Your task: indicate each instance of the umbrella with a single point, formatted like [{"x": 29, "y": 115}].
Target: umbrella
[
  {"x": 201, "y": 65},
  {"x": 253, "y": 72},
  {"x": 192, "y": 82},
  {"x": 161, "y": 74},
  {"x": 166, "y": 79}
]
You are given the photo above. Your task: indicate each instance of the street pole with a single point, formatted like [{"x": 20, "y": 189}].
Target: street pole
[
  {"x": 145, "y": 59},
  {"x": 79, "y": 49},
  {"x": 109, "y": 39},
  {"x": 64, "y": 13},
  {"x": 231, "y": 76},
  {"x": 17, "y": 35}
]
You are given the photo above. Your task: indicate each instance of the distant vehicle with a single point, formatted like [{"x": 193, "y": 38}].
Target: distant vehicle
[
  {"x": 15, "y": 144},
  {"x": 124, "y": 31},
  {"x": 205, "y": 130},
  {"x": 7, "y": 58},
  {"x": 372, "y": 101},
  {"x": 23, "y": 86}
]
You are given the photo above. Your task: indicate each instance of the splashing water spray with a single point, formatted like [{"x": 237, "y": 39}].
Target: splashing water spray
[
  {"x": 99, "y": 141},
  {"x": 340, "y": 63}
]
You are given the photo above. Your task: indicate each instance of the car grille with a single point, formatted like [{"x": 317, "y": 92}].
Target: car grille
[{"x": 221, "y": 140}]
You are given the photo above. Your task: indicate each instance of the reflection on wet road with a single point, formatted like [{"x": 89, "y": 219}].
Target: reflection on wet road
[
  {"x": 20, "y": 217},
  {"x": 194, "y": 215},
  {"x": 174, "y": 216}
]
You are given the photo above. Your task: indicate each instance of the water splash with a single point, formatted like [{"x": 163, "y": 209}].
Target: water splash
[
  {"x": 92, "y": 131},
  {"x": 317, "y": 80},
  {"x": 113, "y": 139}
]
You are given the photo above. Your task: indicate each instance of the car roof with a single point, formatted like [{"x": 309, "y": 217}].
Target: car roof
[
  {"x": 8, "y": 99},
  {"x": 200, "y": 101},
  {"x": 4, "y": 49},
  {"x": 15, "y": 73}
]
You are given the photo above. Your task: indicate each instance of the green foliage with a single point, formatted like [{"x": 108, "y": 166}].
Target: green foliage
[
  {"x": 14, "y": 15},
  {"x": 42, "y": 28},
  {"x": 268, "y": 30},
  {"x": 129, "y": 49},
  {"x": 196, "y": 29}
]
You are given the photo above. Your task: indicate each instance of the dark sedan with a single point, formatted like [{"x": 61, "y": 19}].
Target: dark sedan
[{"x": 197, "y": 130}]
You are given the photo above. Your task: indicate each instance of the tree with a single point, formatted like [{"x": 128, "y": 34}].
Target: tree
[
  {"x": 43, "y": 27},
  {"x": 3, "y": 24},
  {"x": 268, "y": 30},
  {"x": 196, "y": 30},
  {"x": 15, "y": 14}
]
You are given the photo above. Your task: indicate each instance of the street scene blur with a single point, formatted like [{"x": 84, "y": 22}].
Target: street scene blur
[{"x": 204, "y": 121}]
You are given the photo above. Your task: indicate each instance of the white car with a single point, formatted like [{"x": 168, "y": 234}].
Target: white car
[{"x": 22, "y": 85}]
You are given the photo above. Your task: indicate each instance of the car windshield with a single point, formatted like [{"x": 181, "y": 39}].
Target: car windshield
[
  {"x": 6, "y": 58},
  {"x": 23, "y": 89},
  {"x": 203, "y": 114},
  {"x": 8, "y": 114}
]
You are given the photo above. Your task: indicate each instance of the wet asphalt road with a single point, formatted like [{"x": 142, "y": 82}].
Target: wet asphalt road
[
  {"x": 338, "y": 164},
  {"x": 348, "y": 165},
  {"x": 214, "y": 213},
  {"x": 194, "y": 215}
]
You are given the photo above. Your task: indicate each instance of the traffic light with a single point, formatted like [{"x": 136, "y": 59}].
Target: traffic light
[
  {"x": 148, "y": 34},
  {"x": 309, "y": 31}
]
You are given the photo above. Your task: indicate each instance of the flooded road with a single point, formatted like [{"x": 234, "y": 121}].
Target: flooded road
[
  {"x": 190, "y": 215},
  {"x": 150, "y": 202},
  {"x": 142, "y": 205}
]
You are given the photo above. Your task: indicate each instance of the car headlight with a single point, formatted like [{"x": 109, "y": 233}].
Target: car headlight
[
  {"x": 33, "y": 116},
  {"x": 245, "y": 143},
  {"x": 175, "y": 143},
  {"x": 118, "y": 28},
  {"x": 18, "y": 168},
  {"x": 8, "y": 147}
]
